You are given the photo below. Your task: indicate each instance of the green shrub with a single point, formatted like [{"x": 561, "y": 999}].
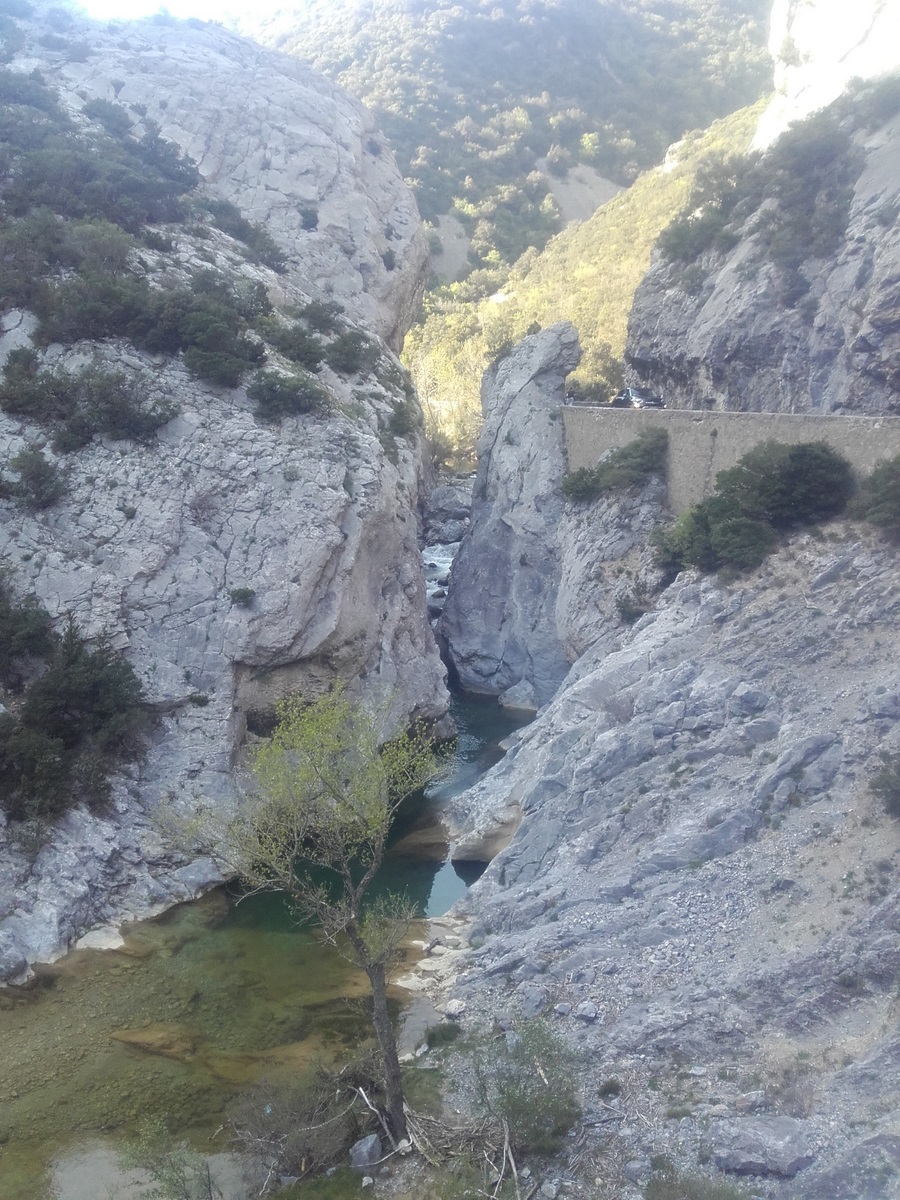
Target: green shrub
[
  {"x": 529, "y": 1085},
  {"x": 323, "y": 316},
  {"x": 631, "y": 606},
  {"x": 788, "y": 486},
  {"x": 800, "y": 189},
  {"x": 75, "y": 723},
  {"x": 35, "y": 246},
  {"x": 263, "y": 247},
  {"x": 775, "y": 487},
  {"x": 113, "y": 117},
  {"x": 624, "y": 467},
  {"x": 242, "y": 596},
  {"x": 442, "y": 1035},
  {"x": 25, "y": 633},
  {"x": 93, "y": 306},
  {"x": 309, "y": 218},
  {"x": 280, "y": 396},
  {"x": 878, "y": 499},
  {"x": 176, "y": 1171},
  {"x": 295, "y": 342},
  {"x": 405, "y": 418},
  {"x": 352, "y": 352},
  {"x": 80, "y": 404},
  {"x": 39, "y": 484},
  {"x": 886, "y": 784}
]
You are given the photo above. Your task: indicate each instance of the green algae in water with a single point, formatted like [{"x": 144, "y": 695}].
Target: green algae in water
[{"x": 215, "y": 996}]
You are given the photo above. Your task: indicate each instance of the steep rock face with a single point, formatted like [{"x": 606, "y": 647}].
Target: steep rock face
[
  {"x": 269, "y": 134},
  {"x": 498, "y": 622},
  {"x": 231, "y": 560},
  {"x": 701, "y": 878},
  {"x": 733, "y": 341},
  {"x": 149, "y": 545},
  {"x": 537, "y": 580},
  {"x": 818, "y": 47}
]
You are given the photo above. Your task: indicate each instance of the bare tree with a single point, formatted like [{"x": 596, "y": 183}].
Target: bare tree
[{"x": 316, "y": 828}]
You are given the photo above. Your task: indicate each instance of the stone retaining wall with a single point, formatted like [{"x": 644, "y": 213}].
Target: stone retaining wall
[{"x": 703, "y": 443}]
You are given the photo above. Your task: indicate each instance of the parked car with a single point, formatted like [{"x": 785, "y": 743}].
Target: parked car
[{"x": 637, "y": 397}]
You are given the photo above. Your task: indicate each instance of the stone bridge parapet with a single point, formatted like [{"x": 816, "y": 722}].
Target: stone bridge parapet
[{"x": 703, "y": 443}]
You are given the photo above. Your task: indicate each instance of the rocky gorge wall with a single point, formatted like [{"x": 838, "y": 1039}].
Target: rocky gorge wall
[
  {"x": 269, "y": 134},
  {"x": 231, "y": 560},
  {"x": 727, "y": 336},
  {"x": 523, "y": 602},
  {"x": 691, "y": 878},
  {"x": 701, "y": 894}
]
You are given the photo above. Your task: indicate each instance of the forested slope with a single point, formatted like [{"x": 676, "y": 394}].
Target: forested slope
[
  {"x": 586, "y": 274},
  {"x": 473, "y": 94}
]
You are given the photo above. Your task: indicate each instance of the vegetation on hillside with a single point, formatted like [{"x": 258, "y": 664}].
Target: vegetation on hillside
[
  {"x": 473, "y": 94},
  {"x": 885, "y": 784},
  {"x": 587, "y": 274},
  {"x": 73, "y": 713},
  {"x": 624, "y": 467},
  {"x": 793, "y": 199},
  {"x": 878, "y": 498},
  {"x": 80, "y": 205}
]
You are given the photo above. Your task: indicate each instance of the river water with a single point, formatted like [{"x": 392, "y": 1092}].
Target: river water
[{"x": 202, "y": 1001}]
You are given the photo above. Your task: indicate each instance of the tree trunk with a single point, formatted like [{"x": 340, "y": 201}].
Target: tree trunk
[{"x": 384, "y": 1031}]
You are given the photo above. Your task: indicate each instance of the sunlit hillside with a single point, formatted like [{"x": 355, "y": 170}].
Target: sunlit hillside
[
  {"x": 587, "y": 274},
  {"x": 481, "y": 99}
]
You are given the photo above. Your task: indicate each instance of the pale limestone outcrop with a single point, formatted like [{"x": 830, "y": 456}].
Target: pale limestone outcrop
[
  {"x": 269, "y": 134},
  {"x": 308, "y": 521},
  {"x": 537, "y": 579},
  {"x": 818, "y": 47},
  {"x": 148, "y": 546},
  {"x": 733, "y": 341},
  {"x": 498, "y": 623},
  {"x": 697, "y": 876}
]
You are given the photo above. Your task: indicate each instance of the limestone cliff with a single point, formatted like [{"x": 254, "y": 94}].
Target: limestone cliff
[
  {"x": 701, "y": 891},
  {"x": 794, "y": 330},
  {"x": 691, "y": 877},
  {"x": 231, "y": 559},
  {"x": 818, "y": 47},
  {"x": 271, "y": 135},
  {"x": 524, "y": 599},
  {"x": 498, "y": 622}
]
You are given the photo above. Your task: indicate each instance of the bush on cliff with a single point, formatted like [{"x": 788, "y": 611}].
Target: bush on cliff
[
  {"x": 25, "y": 634},
  {"x": 624, "y": 467},
  {"x": 886, "y": 784},
  {"x": 529, "y": 1084},
  {"x": 352, "y": 352},
  {"x": 280, "y": 396},
  {"x": 72, "y": 724},
  {"x": 794, "y": 199},
  {"x": 38, "y": 483},
  {"x": 774, "y": 488},
  {"x": 79, "y": 404},
  {"x": 878, "y": 499}
]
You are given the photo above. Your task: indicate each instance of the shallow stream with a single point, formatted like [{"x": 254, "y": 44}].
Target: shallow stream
[{"x": 202, "y": 1001}]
